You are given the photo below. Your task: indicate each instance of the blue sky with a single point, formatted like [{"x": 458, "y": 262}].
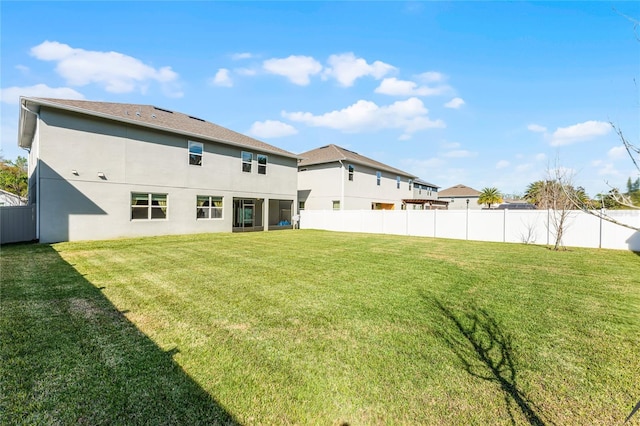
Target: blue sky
[{"x": 479, "y": 93}]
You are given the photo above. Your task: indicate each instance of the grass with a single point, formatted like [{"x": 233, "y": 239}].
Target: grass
[{"x": 312, "y": 327}]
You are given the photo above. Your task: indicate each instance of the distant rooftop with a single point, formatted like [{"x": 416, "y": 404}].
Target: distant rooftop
[
  {"x": 333, "y": 153},
  {"x": 459, "y": 191}
]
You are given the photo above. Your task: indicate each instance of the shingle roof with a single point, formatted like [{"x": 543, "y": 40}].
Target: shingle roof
[
  {"x": 423, "y": 182},
  {"x": 459, "y": 191},
  {"x": 333, "y": 153},
  {"x": 160, "y": 118}
]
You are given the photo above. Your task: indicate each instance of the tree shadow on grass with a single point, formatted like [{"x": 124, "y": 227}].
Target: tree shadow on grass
[
  {"x": 68, "y": 356},
  {"x": 485, "y": 350}
]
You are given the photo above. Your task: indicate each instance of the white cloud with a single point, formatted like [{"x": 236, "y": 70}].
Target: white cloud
[
  {"x": 541, "y": 157},
  {"x": 393, "y": 86},
  {"x": 11, "y": 95},
  {"x": 502, "y": 164},
  {"x": 346, "y": 68},
  {"x": 240, "y": 56},
  {"x": 455, "y": 103},
  {"x": 617, "y": 152},
  {"x": 116, "y": 72},
  {"x": 222, "y": 78},
  {"x": 246, "y": 71},
  {"x": 608, "y": 169},
  {"x": 271, "y": 129},
  {"x": 523, "y": 167},
  {"x": 536, "y": 128},
  {"x": 297, "y": 69},
  {"x": 432, "y": 77},
  {"x": 22, "y": 68},
  {"x": 459, "y": 153},
  {"x": 410, "y": 116},
  {"x": 579, "y": 132}
]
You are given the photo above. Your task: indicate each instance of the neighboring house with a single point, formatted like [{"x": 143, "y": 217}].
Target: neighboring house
[
  {"x": 10, "y": 199},
  {"x": 101, "y": 170},
  {"x": 461, "y": 197},
  {"x": 425, "y": 197},
  {"x": 331, "y": 177}
]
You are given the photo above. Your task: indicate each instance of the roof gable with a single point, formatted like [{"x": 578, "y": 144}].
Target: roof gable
[
  {"x": 332, "y": 153},
  {"x": 159, "y": 118},
  {"x": 459, "y": 191}
]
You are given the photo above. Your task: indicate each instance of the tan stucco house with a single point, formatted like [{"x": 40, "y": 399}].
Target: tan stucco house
[
  {"x": 100, "y": 170},
  {"x": 461, "y": 197}
]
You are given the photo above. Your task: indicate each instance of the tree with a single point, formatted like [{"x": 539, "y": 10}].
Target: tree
[
  {"x": 556, "y": 194},
  {"x": 13, "y": 176},
  {"x": 490, "y": 196}
]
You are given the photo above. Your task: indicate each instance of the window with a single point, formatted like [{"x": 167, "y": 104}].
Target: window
[
  {"x": 148, "y": 206},
  {"x": 336, "y": 204},
  {"x": 398, "y": 182},
  {"x": 410, "y": 184},
  {"x": 262, "y": 164},
  {"x": 351, "y": 169},
  {"x": 300, "y": 205},
  {"x": 195, "y": 153},
  {"x": 208, "y": 207},
  {"x": 247, "y": 158},
  {"x": 378, "y": 178}
]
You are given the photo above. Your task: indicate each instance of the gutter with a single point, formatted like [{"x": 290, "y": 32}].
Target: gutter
[
  {"x": 36, "y": 137},
  {"x": 156, "y": 127}
]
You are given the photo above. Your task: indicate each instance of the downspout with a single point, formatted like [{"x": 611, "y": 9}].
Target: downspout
[
  {"x": 341, "y": 185},
  {"x": 36, "y": 138}
]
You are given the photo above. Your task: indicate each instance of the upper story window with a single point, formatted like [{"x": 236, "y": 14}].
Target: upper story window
[
  {"x": 336, "y": 204},
  {"x": 410, "y": 184},
  {"x": 398, "y": 182},
  {"x": 148, "y": 206},
  {"x": 351, "y": 169},
  {"x": 247, "y": 159},
  {"x": 208, "y": 207},
  {"x": 378, "y": 178},
  {"x": 262, "y": 164},
  {"x": 195, "y": 153}
]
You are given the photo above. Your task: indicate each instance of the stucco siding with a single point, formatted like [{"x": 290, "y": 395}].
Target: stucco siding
[
  {"x": 325, "y": 183},
  {"x": 89, "y": 167}
]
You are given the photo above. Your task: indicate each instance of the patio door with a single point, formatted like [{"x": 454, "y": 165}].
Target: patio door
[{"x": 245, "y": 212}]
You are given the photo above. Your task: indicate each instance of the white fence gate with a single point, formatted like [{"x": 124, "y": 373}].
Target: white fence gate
[{"x": 512, "y": 226}]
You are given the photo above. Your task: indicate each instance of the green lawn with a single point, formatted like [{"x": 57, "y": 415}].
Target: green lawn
[{"x": 312, "y": 327}]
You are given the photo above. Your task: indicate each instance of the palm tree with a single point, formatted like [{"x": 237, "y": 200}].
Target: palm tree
[{"x": 490, "y": 196}]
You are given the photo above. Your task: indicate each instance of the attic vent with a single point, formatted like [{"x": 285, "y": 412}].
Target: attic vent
[
  {"x": 138, "y": 114},
  {"x": 196, "y": 118},
  {"x": 153, "y": 116},
  {"x": 162, "y": 109}
]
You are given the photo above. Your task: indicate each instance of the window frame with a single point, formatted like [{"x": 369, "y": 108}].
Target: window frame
[
  {"x": 398, "y": 182},
  {"x": 245, "y": 162},
  {"x": 150, "y": 208},
  {"x": 262, "y": 168},
  {"x": 378, "y": 177},
  {"x": 210, "y": 208},
  {"x": 195, "y": 155},
  {"x": 351, "y": 170},
  {"x": 336, "y": 204}
]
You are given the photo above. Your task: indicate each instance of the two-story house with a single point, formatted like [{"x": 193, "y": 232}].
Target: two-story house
[
  {"x": 102, "y": 170},
  {"x": 331, "y": 177},
  {"x": 425, "y": 197}
]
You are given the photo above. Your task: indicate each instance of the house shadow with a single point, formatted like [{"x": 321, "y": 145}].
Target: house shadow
[
  {"x": 485, "y": 351},
  {"x": 70, "y": 357},
  {"x": 634, "y": 242}
]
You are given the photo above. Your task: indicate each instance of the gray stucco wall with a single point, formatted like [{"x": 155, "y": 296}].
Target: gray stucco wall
[
  {"x": 327, "y": 182},
  {"x": 77, "y": 204}
]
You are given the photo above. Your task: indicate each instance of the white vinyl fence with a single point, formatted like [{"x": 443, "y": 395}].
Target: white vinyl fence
[{"x": 511, "y": 226}]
